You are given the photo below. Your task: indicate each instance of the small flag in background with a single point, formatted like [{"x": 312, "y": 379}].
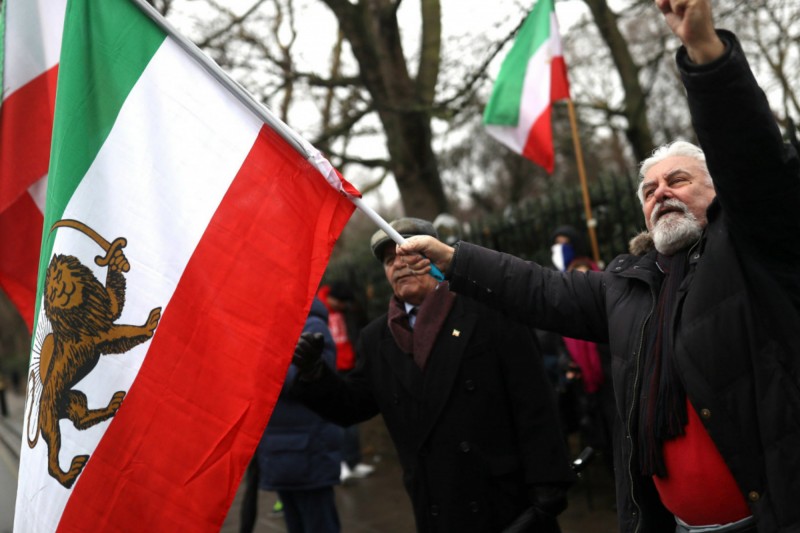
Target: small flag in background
[
  {"x": 30, "y": 40},
  {"x": 532, "y": 77},
  {"x": 186, "y": 232}
]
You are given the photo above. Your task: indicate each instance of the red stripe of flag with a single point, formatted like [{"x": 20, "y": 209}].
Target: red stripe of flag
[
  {"x": 539, "y": 144},
  {"x": 559, "y": 83},
  {"x": 20, "y": 242},
  {"x": 26, "y": 125},
  {"x": 174, "y": 454}
]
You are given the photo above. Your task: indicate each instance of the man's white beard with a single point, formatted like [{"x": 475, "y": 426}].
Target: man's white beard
[{"x": 674, "y": 231}]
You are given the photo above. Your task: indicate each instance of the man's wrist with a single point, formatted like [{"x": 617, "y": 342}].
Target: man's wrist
[{"x": 706, "y": 52}]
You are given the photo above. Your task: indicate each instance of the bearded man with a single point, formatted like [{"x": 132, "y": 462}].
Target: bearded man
[{"x": 703, "y": 318}]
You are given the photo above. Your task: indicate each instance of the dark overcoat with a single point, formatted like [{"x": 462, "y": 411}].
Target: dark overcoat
[{"x": 473, "y": 432}]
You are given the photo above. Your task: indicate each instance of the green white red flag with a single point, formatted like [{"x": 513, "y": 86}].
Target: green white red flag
[
  {"x": 186, "y": 232},
  {"x": 30, "y": 43},
  {"x": 532, "y": 77}
]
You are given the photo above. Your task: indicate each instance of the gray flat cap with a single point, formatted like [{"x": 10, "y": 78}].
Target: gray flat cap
[{"x": 406, "y": 227}]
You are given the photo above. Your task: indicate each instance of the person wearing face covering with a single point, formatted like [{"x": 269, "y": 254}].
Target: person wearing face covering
[
  {"x": 703, "y": 316},
  {"x": 588, "y": 397}
]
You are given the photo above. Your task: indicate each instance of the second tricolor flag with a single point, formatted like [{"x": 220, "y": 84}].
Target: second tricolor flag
[{"x": 532, "y": 77}]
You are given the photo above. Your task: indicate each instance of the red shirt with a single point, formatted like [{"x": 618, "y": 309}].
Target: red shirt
[
  {"x": 345, "y": 357},
  {"x": 699, "y": 488}
]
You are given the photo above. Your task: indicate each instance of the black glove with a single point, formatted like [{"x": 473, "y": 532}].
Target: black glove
[
  {"x": 308, "y": 355},
  {"x": 547, "y": 503},
  {"x": 549, "y": 499}
]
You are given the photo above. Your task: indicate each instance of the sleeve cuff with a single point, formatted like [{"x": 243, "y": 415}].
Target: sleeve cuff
[
  {"x": 686, "y": 64},
  {"x": 452, "y": 267}
]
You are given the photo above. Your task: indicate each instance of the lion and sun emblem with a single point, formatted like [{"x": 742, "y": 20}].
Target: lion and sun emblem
[{"x": 79, "y": 327}]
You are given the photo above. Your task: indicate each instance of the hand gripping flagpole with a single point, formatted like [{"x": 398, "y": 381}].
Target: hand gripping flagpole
[{"x": 390, "y": 231}]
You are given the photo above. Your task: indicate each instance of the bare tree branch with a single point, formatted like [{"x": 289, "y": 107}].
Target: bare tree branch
[{"x": 234, "y": 21}]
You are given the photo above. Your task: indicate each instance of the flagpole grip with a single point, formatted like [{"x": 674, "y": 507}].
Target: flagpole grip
[{"x": 390, "y": 231}]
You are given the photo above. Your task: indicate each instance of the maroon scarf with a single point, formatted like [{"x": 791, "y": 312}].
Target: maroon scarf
[
  {"x": 662, "y": 411},
  {"x": 430, "y": 317}
]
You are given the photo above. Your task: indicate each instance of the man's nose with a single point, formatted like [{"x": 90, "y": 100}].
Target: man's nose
[
  {"x": 663, "y": 192},
  {"x": 395, "y": 261}
]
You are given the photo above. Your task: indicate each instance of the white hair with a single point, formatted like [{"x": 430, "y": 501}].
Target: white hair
[{"x": 676, "y": 148}]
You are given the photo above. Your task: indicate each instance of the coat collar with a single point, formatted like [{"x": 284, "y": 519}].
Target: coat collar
[{"x": 640, "y": 263}]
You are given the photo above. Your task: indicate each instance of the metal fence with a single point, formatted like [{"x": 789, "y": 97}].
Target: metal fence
[{"x": 525, "y": 231}]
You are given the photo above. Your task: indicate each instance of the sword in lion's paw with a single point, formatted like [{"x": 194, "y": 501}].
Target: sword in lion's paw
[{"x": 110, "y": 248}]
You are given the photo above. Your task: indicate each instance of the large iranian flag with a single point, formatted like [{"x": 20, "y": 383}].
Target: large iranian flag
[
  {"x": 532, "y": 77},
  {"x": 30, "y": 42},
  {"x": 186, "y": 232}
]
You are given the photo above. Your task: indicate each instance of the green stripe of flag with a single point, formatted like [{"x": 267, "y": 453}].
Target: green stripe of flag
[
  {"x": 100, "y": 64},
  {"x": 504, "y": 104},
  {"x": 98, "y": 69}
]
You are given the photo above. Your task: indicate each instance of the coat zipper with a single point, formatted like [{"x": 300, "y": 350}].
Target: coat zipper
[
  {"x": 634, "y": 402},
  {"x": 635, "y": 396}
]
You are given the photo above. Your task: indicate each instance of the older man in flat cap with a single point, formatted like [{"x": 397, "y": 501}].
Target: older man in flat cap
[{"x": 464, "y": 395}]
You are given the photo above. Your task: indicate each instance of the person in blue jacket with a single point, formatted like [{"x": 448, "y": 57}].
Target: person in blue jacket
[{"x": 299, "y": 455}]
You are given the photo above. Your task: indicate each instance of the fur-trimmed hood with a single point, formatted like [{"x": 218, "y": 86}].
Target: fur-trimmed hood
[{"x": 641, "y": 244}]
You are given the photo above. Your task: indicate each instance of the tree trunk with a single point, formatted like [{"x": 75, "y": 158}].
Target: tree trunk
[
  {"x": 638, "y": 131},
  {"x": 404, "y": 104}
]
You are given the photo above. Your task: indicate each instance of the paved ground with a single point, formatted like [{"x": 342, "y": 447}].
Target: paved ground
[
  {"x": 10, "y": 440},
  {"x": 377, "y": 504}
]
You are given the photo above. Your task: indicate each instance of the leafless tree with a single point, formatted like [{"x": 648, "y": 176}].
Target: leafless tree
[{"x": 422, "y": 97}]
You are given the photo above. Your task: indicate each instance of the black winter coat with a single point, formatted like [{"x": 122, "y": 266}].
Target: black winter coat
[
  {"x": 737, "y": 319},
  {"x": 473, "y": 432}
]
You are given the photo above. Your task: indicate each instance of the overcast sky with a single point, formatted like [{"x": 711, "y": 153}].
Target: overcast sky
[{"x": 462, "y": 20}]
